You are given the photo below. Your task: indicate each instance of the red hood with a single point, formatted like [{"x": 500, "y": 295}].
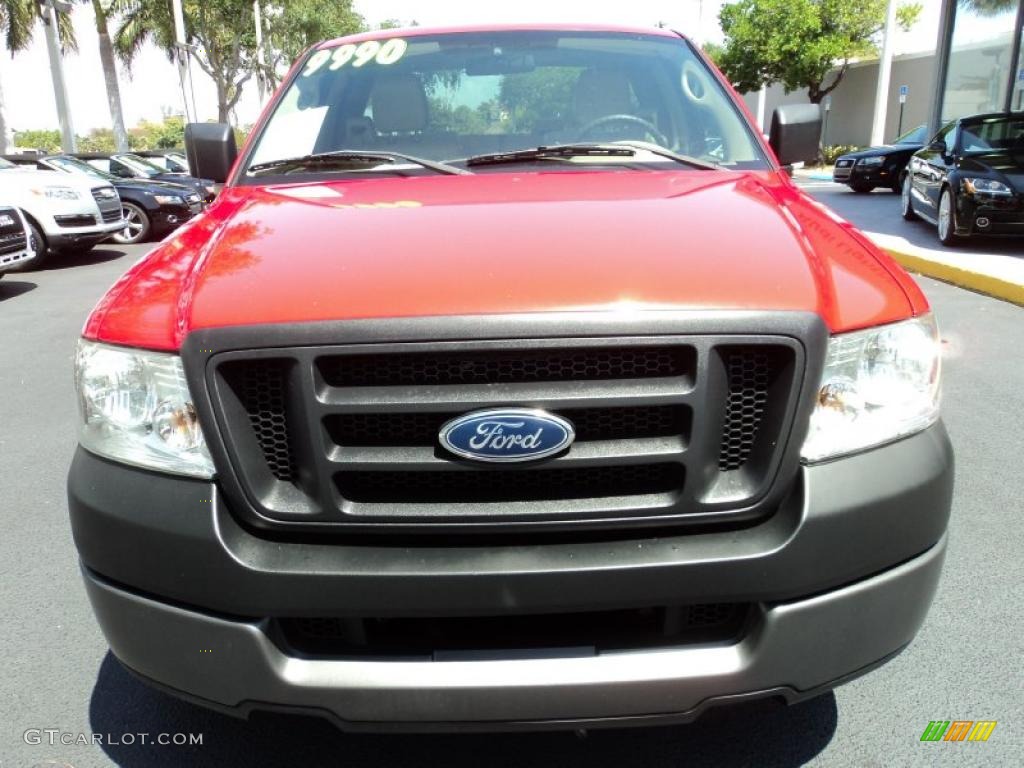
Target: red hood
[{"x": 504, "y": 243}]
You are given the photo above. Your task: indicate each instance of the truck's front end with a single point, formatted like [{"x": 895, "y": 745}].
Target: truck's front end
[{"x": 529, "y": 392}]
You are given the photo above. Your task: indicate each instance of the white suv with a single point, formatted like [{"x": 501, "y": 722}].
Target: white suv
[
  {"x": 15, "y": 248},
  {"x": 66, "y": 215}
]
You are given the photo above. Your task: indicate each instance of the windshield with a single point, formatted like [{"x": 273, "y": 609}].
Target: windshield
[
  {"x": 78, "y": 166},
  {"x": 994, "y": 134},
  {"x": 139, "y": 165},
  {"x": 450, "y": 97},
  {"x": 917, "y": 136},
  {"x": 6, "y": 164}
]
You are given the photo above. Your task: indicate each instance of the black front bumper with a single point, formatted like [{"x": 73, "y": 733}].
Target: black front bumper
[
  {"x": 876, "y": 175},
  {"x": 841, "y": 576},
  {"x": 990, "y": 215}
]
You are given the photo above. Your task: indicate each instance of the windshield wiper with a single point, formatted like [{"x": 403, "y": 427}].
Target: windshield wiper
[
  {"x": 566, "y": 151},
  {"x": 657, "y": 149},
  {"x": 551, "y": 153},
  {"x": 343, "y": 157}
]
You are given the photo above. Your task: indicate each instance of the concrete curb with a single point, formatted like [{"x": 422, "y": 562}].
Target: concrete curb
[{"x": 964, "y": 278}]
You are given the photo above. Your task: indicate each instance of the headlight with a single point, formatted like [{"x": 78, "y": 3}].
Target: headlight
[
  {"x": 136, "y": 408},
  {"x": 986, "y": 186},
  {"x": 878, "y": 385},
  {"x": 57, "y": 193},
  {"x": 871, "y": 161},
  {"x": 168, "y": 199}
]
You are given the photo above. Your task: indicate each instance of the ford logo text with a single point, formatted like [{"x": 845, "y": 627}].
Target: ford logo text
[{"x": 507, "y": 434}]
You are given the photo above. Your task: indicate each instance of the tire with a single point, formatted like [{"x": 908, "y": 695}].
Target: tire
[
  {"x": 947, "y": 219},
  {"x": 38, "y": 243},
  {"x": 861, "y": 188},
  {"x": 138, "y": 225},
  {"x": 907, "y": 200}
]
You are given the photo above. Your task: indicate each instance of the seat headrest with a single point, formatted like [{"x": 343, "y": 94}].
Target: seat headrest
[
  {"x": 399, "y": 104},
  {"x": 601, "y": 92}
]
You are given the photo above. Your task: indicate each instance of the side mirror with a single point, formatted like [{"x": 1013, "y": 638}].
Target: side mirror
[
  {"x": 938, "y": 146},
  {"x": 795, "y": 135},
  {"x": 211, "y": 150}
]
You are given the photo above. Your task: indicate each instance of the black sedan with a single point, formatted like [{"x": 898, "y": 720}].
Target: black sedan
[
  {"x": 151, "y": 209},
  {"x": 969, "y": 179},
  {"x": 130, "y": 166},
  {"x": 879, "y": 166}
]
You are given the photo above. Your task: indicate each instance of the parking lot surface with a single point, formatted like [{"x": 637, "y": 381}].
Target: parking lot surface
[{"x": 58, "y": 675}]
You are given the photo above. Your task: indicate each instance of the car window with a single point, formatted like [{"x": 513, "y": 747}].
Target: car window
[
  {"x": 452, "y": 96},
  {"x": 100, "y": 163},
  {"x": 6, "y": 164},
  {"x": 916, "y": 136},
  {"x": 992, "y": 135},
  {"x": 75, "y": 165}
]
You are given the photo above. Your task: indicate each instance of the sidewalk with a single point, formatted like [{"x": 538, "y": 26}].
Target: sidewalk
[{"x": 994, "y": 266}]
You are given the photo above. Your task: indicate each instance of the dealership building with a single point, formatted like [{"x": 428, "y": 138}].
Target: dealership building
[
  {"x": 978, "y": 73},
  {"x": 975, "y": 66}
]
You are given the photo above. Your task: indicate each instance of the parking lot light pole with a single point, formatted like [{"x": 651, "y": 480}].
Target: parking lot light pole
[{"x": 49, "y": 10}]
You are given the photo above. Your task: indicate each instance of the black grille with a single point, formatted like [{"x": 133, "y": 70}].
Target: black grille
[
  {"x": 607, "y": 363},
  {"x": 748, "y": 372},
  {"x": 260, "y": 386},
  {"x": 111, "y": 216},
  {"x": 13, "y": 243},
  {"x": 420, "y": 429},
  {"x": 507, "y": 485},
  {"x": 346, "y": 436},
  {"x": 75, "y": 220},
  {"x": 646, "y": 627}
]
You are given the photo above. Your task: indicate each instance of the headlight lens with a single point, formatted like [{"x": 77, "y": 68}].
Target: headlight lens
[
  {"x": 57, "y": 193},
  {"x": 878, "y": 385},
  {"x": 168, "y": 199},
  {"x": 136, "y": 408},
  {"x": 986, "y": 186},
  {"x": 872, "y": 161}
]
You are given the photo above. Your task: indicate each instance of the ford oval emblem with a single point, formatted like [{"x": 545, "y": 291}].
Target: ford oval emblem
[{"x": 507, "y": 434}]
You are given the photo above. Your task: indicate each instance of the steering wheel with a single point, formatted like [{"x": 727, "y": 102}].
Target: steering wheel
[{"x": 651, "y": 129}]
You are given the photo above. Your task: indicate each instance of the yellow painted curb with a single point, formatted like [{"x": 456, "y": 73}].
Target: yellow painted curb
[{"x": 965, "y": 278}]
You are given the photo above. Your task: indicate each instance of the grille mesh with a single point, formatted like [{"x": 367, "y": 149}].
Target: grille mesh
[
  {"x": 260, "y": 385},
  {"x": 638, "y": 362},
  {"x": 507, "y": 485},
  {"x": 749, "y": 372},
  {"x": 420, "y": 429}
]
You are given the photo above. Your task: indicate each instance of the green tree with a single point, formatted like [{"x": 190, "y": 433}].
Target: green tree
[
  {"x": 46, "y": 140},
  {"x": 291, "y": 27},
  {"x": 222, "y": 36},
  {"x": 542, "y": 95},
  {"x": 799, "y": 42}
]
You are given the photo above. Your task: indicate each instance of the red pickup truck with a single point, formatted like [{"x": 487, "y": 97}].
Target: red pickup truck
[{"x": 510, "y": 382}]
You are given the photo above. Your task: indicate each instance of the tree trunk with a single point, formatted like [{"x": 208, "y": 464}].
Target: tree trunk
[
  {"x": 6, "y": 134},
  {"x": 223, "y": 103},
  {"x": 110, "y": 77}
]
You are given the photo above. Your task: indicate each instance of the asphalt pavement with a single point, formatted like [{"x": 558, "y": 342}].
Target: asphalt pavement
[{"x": 58, "y": 675}]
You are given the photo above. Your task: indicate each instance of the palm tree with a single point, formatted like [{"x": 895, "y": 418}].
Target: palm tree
[
  {"x": 16, "y": 20},
  {"x": 102, "y": 10}
]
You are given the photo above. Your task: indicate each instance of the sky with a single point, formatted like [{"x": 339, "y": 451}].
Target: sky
[{"x": 151, "y": 87}]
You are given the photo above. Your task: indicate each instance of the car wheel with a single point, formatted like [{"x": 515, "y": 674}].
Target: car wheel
[
  {"x": 947, "y": 219},
  {"x": 861, "y": 188},
  {"x": 38, "y": 244},
  {"x": 906, "y": 201},
  {"x": 136, "y": 225}
]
